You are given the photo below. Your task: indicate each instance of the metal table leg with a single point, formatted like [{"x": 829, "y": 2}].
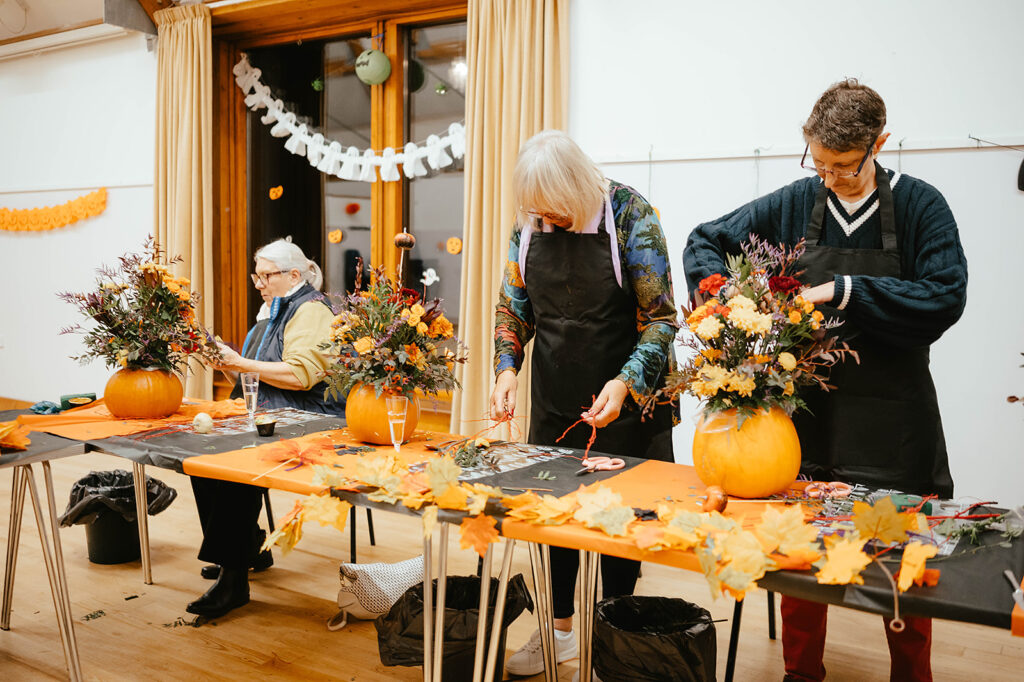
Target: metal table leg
[
  {"x": 499, "y": 611},
  {"x": 55, "y": 572},
  {"x": 13, "y": 538},
  {"x": 61, "y": 573},
  {"x": 442, "y": 586},
  {"x": 540, "y": 563},
  {"x": 588, "y": 597},
  {"x": 481, "y": 623},
  {"x": 142, "y": 513},
  {"x": 771, "y": 615},
  {"x": 734, "y": 639}
]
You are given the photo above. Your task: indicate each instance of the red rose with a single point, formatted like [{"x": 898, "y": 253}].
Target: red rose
[
  {"x": 784, "y": 285},
  {"x": 712, "y": 284}
]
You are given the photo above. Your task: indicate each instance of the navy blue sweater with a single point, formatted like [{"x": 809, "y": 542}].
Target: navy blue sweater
[{"x": 912, "y": 310}]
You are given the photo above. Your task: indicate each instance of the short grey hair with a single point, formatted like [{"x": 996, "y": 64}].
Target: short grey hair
[{"x": 288, "y": 257}]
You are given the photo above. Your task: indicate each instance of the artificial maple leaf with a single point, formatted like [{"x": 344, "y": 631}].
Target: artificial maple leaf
[
  {"x": 327, "y": 510},
  {"x": 552, "y": 511},
  {"x": 375, "y": 470},
  {"x": 648, "y": 537},
  {"x": 333, "y": 478},
  {"x": 666, "y": 511},
  {"x": 414, "y": 501},
  {"x": 477, "y": 532},
  {"x": 488, "y": 490},
  {"x": 679, "y": 538},
  {"x": 521, "y": 501},
  {"x": 442, "y": 472},
  {"x": 799, "y": 559},
  {"x": 592, "y": 502},
  {"x": 453, "y": 498},
  {"x": 882, "y": 521},
  {"x": 930, "y": 577},
  {"x": 13, "y": 436},
  {"x": 476, "y": 503},
  {"x": 844, "y": 560},
  {"x": 288, "y": 532},
  {"x": 415, "y": 483},
  {"x": 742, "y": 551},
  {"x": 784, "y": 531},
  {"x": 912, "y": 567},
  {"x": 281, "y": 451},
  {"x": 429, "y": 521},
  {"x": 612, "y": 520},
  {"x": 735, "y": 582},
  {"x": 713, "y": 521}
]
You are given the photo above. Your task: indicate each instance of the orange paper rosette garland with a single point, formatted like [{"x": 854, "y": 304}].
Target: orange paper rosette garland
[{"x": 53, "y": 217}]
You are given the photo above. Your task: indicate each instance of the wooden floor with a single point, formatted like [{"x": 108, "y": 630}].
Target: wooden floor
[{"x": 130, "y": 631}]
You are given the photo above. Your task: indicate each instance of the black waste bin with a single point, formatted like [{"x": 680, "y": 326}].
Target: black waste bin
[
  {"x": 653, "y": 639},
  {"x": 105, "y": 502},
  {"x": 400, "y": 630}
]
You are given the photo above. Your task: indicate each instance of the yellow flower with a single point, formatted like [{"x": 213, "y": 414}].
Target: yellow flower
[
  {"x": 714, "y": 378},
  {"x": 363, "y": 345},
  {"x": 817, "y": 316},
  {"x": 749, "y": 320},
  {"x": 697, "y": 315},
  {"x": 740, "y": 301},
  {"x": 761, "y": 358},
  {"x": 422, "y": 327},
  {"x": 417, "y": 310},
  {"x": 744, "y": 385},
  {"x": 815, "y": 324},
  {"x": 787, "y": 361},
  {"x": 795, "y": 316},
  {"x": 789, "y": 388},
  {"x": 711, "y": 354},
  {"x": 808, "y": 307},
  {"x": 441, "y": 327},
  {"x": 709, "y": 328}
]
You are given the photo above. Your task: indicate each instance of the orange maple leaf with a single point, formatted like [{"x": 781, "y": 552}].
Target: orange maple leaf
[
  {"x": 913, "y": 565},
  {"x": 478, "y": 532},
  {"x": 797, "y": 560},
  {"x": 452, "y": 498},
  {"x": 844, "y": 560},
  {"x": 930, "y": 577},
  {"x": 13, "y": 436},
  {"x": 648, "y": 537}
]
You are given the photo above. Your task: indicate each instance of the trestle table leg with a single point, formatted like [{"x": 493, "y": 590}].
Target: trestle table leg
[
  {"x": 540, "y": 560},
  {"x": 499, "y": 611},
  {"x": 142, "y": 512},
  {"x": 481, "y": 622},
  {"x": 734, "y": 639},
  {"x": 62, "y": 579},
  {"x": 13, "y": 538},
  {"x": 428, "y": 607},
  {"x": 442, "y": 587},
  {"x": 588, "y": 597}
]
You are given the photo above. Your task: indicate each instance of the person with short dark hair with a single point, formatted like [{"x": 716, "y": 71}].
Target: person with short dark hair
[{"x": 884, "y": 256}]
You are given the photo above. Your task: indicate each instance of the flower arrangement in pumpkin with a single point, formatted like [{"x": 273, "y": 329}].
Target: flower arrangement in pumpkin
[
  {"x": 142, "y": 316},
  {"x": 755, "y": 339},
  {"x": 392, "y": 339}
]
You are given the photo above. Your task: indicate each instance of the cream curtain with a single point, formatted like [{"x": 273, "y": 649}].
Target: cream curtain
[
  {"x": 517, "y": 86},
  {"x": 183, "y": 181}
]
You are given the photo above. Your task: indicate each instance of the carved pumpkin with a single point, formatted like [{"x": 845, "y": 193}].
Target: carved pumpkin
[
  {"x": 760, "y": 459},
  {"x": 143, "y": 394},
  {"x": 367, "y": 415}
]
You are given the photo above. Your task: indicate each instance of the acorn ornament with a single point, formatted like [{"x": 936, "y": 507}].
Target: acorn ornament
[
  {"x": 373, "y": 67},
  {"x": 404, "y": 241}
]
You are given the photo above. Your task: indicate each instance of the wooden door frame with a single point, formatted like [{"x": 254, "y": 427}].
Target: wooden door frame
[{"x": 259, "y": 24}]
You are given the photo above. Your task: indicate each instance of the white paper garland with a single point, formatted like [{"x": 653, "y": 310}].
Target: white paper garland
[{"x": 330, "y": 157}]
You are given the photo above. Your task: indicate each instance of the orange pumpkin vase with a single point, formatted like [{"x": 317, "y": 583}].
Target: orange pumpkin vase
[
  {"x": 366, "y": 416},
  {"x": 143, "y": 394},
  {"x": 758, "y": 460}
]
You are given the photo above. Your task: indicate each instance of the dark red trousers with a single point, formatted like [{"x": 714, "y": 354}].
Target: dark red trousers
[{"x": 803, "y": 644}]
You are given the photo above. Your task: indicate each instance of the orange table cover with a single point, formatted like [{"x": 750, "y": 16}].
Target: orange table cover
[{"x": 94, "y": 421}]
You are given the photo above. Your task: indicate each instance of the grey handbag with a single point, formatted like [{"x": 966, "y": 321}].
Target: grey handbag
[{"x": 370, "y": 590}]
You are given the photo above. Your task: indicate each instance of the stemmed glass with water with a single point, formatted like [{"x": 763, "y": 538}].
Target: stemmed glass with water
[
  {"x": 397, "y": 406},
  {"x": 250, "y": 390}
]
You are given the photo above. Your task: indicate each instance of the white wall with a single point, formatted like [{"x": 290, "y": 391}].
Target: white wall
[
  {"x": 71, "y": 120},
  {"x": 707, "y": 83}
]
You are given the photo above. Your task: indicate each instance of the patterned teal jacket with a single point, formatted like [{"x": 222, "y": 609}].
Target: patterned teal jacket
[{"x": 644, "y": 258}]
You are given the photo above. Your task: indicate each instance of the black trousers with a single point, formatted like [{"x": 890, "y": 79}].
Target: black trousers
[
  {"x": 618, "y": 577},
  {"x": 228, "y": 514}
]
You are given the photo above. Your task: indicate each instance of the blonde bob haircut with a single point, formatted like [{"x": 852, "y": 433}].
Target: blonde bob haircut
[{"x": 553, "y": 176}]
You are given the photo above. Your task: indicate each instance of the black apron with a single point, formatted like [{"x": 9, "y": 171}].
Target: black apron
[
  {"x": 880, "y": 426},
  {"x": 585, "y": 332}
]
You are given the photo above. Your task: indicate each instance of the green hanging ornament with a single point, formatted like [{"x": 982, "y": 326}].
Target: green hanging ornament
[{"x": 373, "y": 67}]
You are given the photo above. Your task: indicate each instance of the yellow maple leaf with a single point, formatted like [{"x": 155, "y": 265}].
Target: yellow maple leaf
[
  {"x": 375, "y": 470},
  {"x": 678, "y": 538},
  {"x": 844, "y": 560},
  {"x": 785, "y": 531},
  {"x": 454, "y": 497},
  {"x": 288, "y": 532},
  {"x": 553, "y": 511},
  {"x": 594, "y": 501},
  {"x": 612, "y": 520},
  {"x": 912, "y": 567},
  {"x": 477, "y": 532},
  {"x": 742, "y": 551},
  {"x": 882, "y": 521},
  {"x": 648, "y": 537},
  {"x": 443, "y": 472},
  {"x": 326, "y": 509},
  {"x": 521, "y": 501},
  {"x": 429, "y": 521},
  {"x": 414, "y": 501}
]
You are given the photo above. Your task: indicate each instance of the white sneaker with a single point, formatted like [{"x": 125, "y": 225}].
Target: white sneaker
[{"x": 529, "y": 659}]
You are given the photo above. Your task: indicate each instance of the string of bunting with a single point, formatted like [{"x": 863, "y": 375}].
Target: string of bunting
[
  {"x": 330, "y": 157},
  {"x": 53, "y": 217}
]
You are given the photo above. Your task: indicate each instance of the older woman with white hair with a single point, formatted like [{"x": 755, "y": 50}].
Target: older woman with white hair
[
  {"x": 588, "y": 278},
  {"x": 282, "y": 347}
]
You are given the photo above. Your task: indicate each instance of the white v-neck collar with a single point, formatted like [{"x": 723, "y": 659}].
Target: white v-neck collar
[{"x": 850, "y": 224}]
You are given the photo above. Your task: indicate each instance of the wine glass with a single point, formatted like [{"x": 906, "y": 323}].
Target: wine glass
[
  {"x": 250, "y": 389},
  {"x": 397, "y": 407}
]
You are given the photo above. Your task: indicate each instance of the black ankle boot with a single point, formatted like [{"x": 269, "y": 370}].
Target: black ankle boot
[{"x": 229, "y": 592}]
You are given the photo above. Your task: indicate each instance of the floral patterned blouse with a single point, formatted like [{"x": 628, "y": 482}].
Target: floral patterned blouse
[{"x": 644, "y": 256}]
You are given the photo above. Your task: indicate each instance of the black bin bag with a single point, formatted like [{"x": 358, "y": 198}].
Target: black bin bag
[
  {"x": 105, "y": 502},
  {"x": 653, "y": 639},
  {"x": 400, "y": 630}
]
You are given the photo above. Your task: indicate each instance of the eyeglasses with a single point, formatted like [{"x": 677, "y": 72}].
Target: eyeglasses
[
  {"x": 831, "y": 171},
  {"x": 262, "y": 279}
]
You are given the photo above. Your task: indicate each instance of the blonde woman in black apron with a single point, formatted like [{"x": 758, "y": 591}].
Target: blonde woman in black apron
[
  {"x": 588, "y": 279},
  {"x": 884, "y": 255}
]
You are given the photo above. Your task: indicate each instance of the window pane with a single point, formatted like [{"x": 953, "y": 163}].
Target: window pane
[
  {"x": 347, "y": 118},
  {"x": 436, "y": 86}
]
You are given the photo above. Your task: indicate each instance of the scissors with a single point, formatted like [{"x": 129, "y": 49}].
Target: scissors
[
  {"x": 821, "y": 489},
  {"x": 592, "y": 464}
]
